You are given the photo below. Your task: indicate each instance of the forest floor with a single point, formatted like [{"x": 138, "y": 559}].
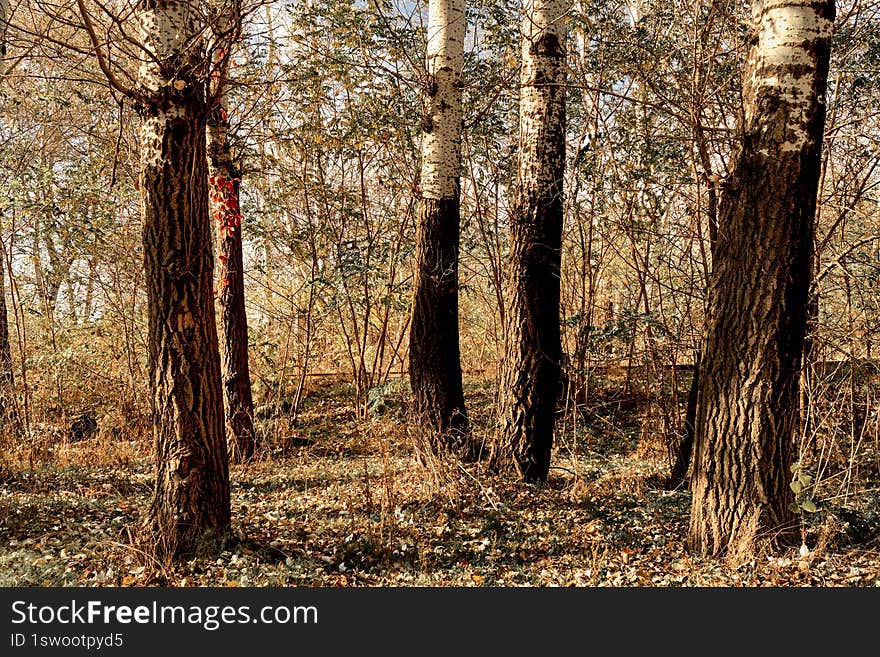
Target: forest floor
[{"x": 342, "y": 501}]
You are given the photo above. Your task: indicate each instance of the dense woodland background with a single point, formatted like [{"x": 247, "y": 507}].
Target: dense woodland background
[{"x": 325, "y": 106}]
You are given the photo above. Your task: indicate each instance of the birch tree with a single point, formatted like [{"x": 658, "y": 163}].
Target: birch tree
[
  {"x": 530, "y": 373},
  {"x": 748, "y": 389},
  {"x": 191, "y": 501},
  {"x": 434, "y": 356}
]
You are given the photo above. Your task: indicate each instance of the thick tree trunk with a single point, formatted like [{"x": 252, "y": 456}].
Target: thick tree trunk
[
  {"x": 531, "y": 369},
  {"x": 434, "y": 356},
  {"x": 748, "y": 408},
  {"x": 191, "y": 505},
  {"x": 225, "y": 184}
]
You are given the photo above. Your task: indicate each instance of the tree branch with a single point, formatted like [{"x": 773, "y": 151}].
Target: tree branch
[{"x": 102, "y": 62}]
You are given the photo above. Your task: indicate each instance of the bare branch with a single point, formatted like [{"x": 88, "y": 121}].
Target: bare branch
[{"x": 102, "y": 62}]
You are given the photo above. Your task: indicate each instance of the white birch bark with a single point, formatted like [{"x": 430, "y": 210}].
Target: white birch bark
[
  {"x": 434, "y": 350},
  {"x": 226, "y": 23},
  {"x": 782, "y": 66},
  {"x": 168, "y": 30},
  {"x": 441, "y": 136},
  {"x": 540, "y": 108}
]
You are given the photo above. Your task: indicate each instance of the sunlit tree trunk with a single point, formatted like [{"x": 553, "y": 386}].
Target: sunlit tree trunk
[
  {"x": 434, "y": 357},
  {"x": 748, "y": 389},
  {"x": 191, "y": 505},
  {"x": 531, "y": 369},
  {"x": 225, "y": 182}
]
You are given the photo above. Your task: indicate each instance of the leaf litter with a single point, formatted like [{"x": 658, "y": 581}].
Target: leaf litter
[{"x": 350, "y": 502}]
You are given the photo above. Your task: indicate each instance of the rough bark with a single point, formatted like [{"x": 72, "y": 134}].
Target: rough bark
[
  {"x": 191, "y": 505},
  {"x": 225, "y": 185},
  {"x": 530, "y": 373},
  {"x": 434, "y": 354},
  {"x": 748, "y": 390}
]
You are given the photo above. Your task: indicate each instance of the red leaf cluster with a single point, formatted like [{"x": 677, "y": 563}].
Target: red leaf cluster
[{"x": 227, "y": 212}]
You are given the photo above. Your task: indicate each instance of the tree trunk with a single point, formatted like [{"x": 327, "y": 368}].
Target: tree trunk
[
  {"x": 4, "y": 8},
  {"x": 191, "y": 505},
  {"x": 8, "y": 416},
  {"x": 7, "y": 378},
  {"x": 678, "y": 475},
  {"x": 748, "y": 406},
  {"x": 434, "y": 356},
  {"x": 531, "y": 369},
  {"x": 225, "y": 181},
  {"x": 808, "y": 357}
]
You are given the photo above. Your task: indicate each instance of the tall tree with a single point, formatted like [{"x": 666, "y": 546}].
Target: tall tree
[
  {"x": 225, "y": 185},
  {"x": 7, "y": 378},
  {"x": 530, "y": 375},
  {"x": 7, "y": 382},
  {"x": 748, "y": 389},
  {"x": 191, "y": 502},
  {"x": 434, "y": 357}
]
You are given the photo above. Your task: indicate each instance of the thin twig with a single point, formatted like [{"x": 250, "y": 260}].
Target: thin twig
[{"x": 118, "y": 144}]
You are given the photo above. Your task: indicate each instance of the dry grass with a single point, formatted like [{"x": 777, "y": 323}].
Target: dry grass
[{"x": 337, "y": 501}]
